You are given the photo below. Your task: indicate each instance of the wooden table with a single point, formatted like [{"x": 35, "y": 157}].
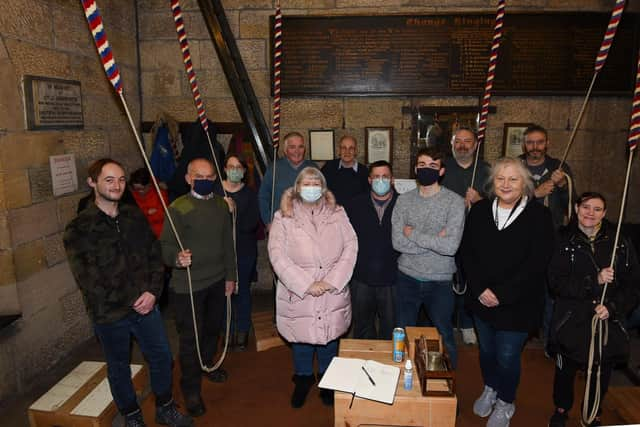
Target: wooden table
[{"x": 410, "y": 408}]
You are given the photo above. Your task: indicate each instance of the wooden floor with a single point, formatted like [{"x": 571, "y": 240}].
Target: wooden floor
[{"x": 259, "y": 387}]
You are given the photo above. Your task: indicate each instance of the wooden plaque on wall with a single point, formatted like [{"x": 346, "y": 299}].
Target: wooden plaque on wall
[{"x": 541, "y": 54}]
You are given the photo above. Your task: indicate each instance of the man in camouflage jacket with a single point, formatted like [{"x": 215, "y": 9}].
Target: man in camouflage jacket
[{"x": 116, "y": 262}]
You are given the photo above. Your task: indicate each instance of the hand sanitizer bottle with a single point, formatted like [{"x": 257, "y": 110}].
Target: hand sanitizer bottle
[{"x": 408, "y": 375}]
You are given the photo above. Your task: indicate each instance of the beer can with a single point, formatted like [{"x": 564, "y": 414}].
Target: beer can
[{"x": 398, "y": 344}]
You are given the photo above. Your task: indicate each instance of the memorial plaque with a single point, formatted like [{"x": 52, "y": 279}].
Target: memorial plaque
[
  {"x": 52, "y": 103},
  {"x": 64, "y": 176},
  {"x": 541, "y": 54}
]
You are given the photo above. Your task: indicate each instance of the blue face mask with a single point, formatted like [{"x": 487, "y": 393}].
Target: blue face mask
[
  {"x": 235, "y": 175},
  {"x": 381, "y": 186},
  {"x": 310, "y": 193},
  {"x": 203, "y": 187}
]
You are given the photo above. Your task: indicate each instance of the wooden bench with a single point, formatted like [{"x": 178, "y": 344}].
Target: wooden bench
[{"x": 82, "y": 398}]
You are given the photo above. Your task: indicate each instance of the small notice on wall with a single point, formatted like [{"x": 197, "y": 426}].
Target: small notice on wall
[
  {"x": 52, "y": 103},
  {"x": 63, "y": 174}
]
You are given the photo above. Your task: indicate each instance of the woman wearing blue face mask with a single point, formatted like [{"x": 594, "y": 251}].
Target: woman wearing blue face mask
[
  {"x": 313, "y": 249},
  {"x": 246, "y": 202}
]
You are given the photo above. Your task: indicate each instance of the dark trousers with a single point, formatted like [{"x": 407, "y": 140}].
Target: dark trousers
[
  {"x": 369, "y": 302},
  {"x": 500, "y": 353},
  {"x": 241, "y": 310},
  {"x": 303, "y": 357},
  {"x": 115, "y": 338},
  {"x": 564, "y": 379},
  {"x": 209, "y": 308},
  {"x": 438, "y": 301}
]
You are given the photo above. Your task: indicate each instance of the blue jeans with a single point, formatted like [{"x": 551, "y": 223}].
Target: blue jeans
[
  {"x": 500, "y": 353},
  {"x": 463, "y": 318},
  {"x": 303, "y": 357},
  {"x": 115, "y": 338},
  {"x": 438, "y": 301}
]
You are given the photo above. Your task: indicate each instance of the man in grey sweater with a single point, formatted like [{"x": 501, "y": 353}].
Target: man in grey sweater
[{"x": 426, "y": 229}]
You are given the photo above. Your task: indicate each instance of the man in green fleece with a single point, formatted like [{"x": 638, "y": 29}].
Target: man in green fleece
[{"x": 203, "y": 223}]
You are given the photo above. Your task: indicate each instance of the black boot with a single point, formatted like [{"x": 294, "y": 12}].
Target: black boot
[
  {"x": 326, "y": 396},
  {"x": 241, "y": 341},
  {"x": 303, "y": 385}
]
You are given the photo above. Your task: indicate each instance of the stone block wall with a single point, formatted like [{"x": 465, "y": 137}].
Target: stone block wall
[
  {"x": 602, "y": 132},
  {"x": 50, "y": 38}
]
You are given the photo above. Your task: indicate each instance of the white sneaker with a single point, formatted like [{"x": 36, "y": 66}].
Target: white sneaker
[
  {"x": 501, "y": 415},
  {"x": 469, "y": 336},
  {"x": 483, "y": 405}
]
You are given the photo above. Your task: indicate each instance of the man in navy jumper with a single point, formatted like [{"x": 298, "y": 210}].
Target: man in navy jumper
[
  {"x": 346, "y": 177},
  {"x": 373, "y": 280},
  {"x": 287, "y": 170}
]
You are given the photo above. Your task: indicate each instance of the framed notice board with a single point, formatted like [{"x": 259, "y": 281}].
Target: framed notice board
[{"x": 540, "y": 54}]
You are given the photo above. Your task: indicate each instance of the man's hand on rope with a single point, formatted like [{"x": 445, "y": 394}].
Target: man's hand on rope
[
  {"x": 605, "y": 276},
  {"x": 471, "y": 197},
  {"x": 229, "y": 287},
  {"x": 544, "y": 189},
  {"x": 559, "y": 179},
  {"x": 184, "y": 259},
  {"x": 145, "y": 302}
]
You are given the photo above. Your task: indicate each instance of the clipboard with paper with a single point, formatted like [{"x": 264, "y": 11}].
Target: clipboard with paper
[{"x": 376, "y": 381}]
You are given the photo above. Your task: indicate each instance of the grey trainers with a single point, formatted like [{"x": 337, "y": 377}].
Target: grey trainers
[
  {"x": 168, "y": 415},
  {"x": 483, "y": 405},
  {"x": 501, "y": 415},
  {"x": 134, "y": 419}
]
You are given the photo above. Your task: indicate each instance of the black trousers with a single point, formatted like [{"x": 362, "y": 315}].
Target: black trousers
[
  {"x": 209, "y": 309},
  {"x": 563, "y": 381},
  {"x": 369, "y": 302}
]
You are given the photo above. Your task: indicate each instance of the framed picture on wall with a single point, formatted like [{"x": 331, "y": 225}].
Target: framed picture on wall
[
  {"x": 321, "y": 146},
  {"x": 379, "y": 144},
  {"x": 513, "y": 138}
]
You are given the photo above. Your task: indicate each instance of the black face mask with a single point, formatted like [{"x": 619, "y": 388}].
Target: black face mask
[{"x": 427, "y": 176}]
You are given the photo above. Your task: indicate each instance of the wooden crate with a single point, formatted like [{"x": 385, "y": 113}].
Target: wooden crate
[
  {"x": 82, "y": 398},
  {"x": 267, "y": 335},
  {"x": 409, "y": 408}
]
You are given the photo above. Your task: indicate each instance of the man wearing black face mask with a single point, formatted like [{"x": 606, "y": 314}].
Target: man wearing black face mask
[
  {"x": 426, "y": 229},
  {"x": 203, "y": 223}
]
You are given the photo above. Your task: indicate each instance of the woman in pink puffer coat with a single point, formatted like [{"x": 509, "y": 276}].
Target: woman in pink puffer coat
[{"x": 313, "y": 250}]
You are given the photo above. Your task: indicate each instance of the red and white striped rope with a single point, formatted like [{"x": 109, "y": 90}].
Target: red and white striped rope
[
  {"x": 616, "y": 15},
  {"x": 491, "y": 72},
  {"x": 277, "y": 63}
]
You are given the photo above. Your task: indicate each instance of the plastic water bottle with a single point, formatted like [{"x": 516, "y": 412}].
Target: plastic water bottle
[{"x": 408, "y": 375}]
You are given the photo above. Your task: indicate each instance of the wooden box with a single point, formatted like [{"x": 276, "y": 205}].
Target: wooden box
[
  {"x": 410, "y": 407},
  {"x": 414, "y": 332},
  {"x": 434, "y": 383},
  {"x": 82, "y": 398}
]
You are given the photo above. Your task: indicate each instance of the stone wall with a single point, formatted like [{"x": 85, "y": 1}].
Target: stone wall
[
  {"x": 599, "y": 143},
  {"x": 50, "y": 38}
]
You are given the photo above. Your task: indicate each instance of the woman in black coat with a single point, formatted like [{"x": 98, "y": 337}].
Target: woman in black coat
[
  {"x": 577, "y": 274},
  {"x": 506, "y": 247}
]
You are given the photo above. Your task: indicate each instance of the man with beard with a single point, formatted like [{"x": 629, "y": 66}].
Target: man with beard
[
  {"x": 550, "y": 182},
  {"x": 551, "y": 189},
  {"x": 115, "y": 259},
  {"x": 346, "y": 177},
  {"x": 458, "y": 179}
]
